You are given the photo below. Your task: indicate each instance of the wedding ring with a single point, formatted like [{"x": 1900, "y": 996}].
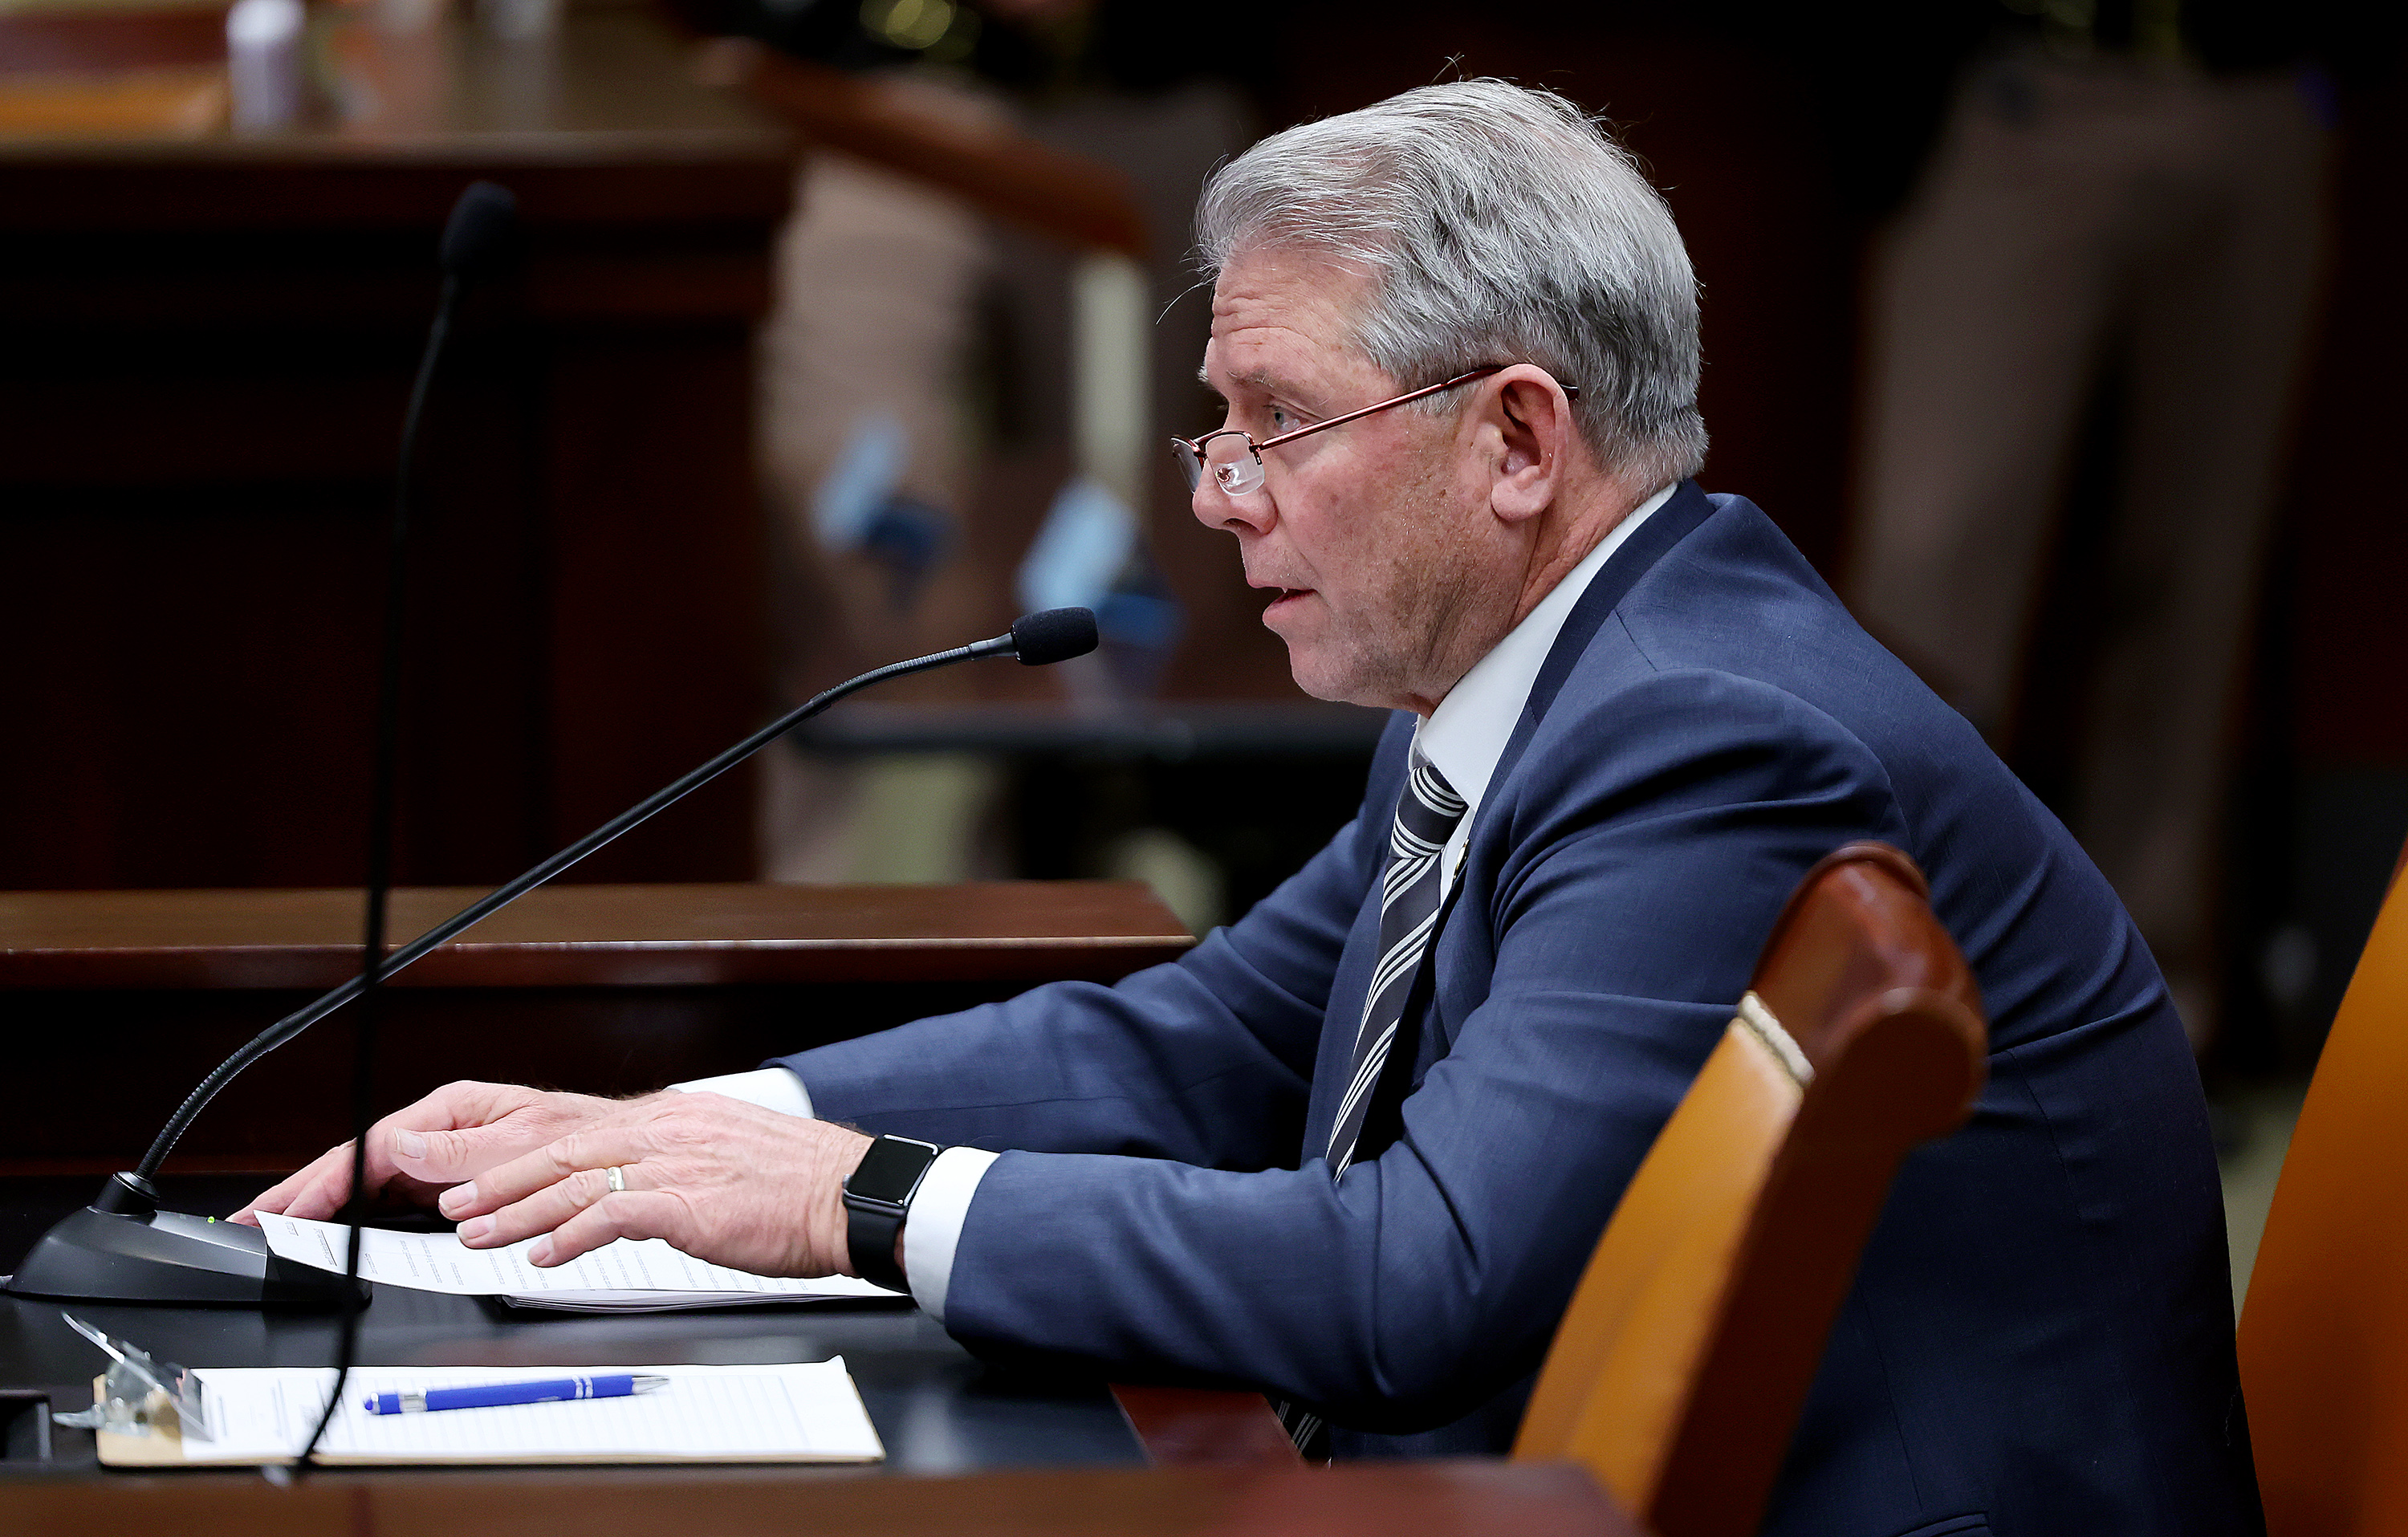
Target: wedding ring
[{"x": 618, "y": 1177}]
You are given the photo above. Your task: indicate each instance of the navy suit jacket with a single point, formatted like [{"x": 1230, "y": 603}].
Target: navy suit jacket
[{"x": 2040, "y": 1339}]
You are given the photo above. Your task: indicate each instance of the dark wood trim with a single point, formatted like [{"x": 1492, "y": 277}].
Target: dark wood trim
[
  {"x": 1197, "y": 1427},
  {"x": 1458, "y": 1498},
  {"x": 621, "y": 936}
]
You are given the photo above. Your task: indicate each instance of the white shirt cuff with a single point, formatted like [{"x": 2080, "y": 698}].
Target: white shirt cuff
[
  {"x": 773, "y": 1088},
  {"x": 934, "y": 1229}
]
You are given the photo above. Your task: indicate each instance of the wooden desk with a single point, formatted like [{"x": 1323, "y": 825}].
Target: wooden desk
[
  {"x": 205, "y": 345},
  {"x": 1426, "y": 1499},
  {"x": 118, "y": 1002}
]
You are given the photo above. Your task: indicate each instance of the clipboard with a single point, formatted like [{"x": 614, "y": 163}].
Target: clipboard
[{"x": 806, "y": 1412}]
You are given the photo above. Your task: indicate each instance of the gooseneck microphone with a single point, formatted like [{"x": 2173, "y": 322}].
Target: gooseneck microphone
[
  {"x": 124, "y": 1248},
  {"x": 1037, "y": 640},
  {"x": 477, "y": 238},
  {"x": 1055, "y": 634},
  {"x": 482, "y": 233}
]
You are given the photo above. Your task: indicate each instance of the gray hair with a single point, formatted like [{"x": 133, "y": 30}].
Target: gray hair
[{"x": 1498, "y": 224}]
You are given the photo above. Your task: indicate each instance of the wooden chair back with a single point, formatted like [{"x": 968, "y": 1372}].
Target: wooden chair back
[
  {"x": 2324, "y": 1331},
  {"x": 1679, "y": 1371}
]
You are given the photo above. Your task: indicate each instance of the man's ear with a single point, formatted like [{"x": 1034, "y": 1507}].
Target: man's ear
[{"x": 1531, "y": 450}]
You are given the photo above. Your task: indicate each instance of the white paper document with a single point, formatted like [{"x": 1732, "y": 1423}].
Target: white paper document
[
  {"x": 623, "y": 1275},
  {"x": 808, "y": 1413}
]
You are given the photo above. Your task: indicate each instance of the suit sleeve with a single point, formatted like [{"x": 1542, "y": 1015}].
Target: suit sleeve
[
  {"x": 1206, "y": 1060},
  {"x": 1635, "y": 874}
]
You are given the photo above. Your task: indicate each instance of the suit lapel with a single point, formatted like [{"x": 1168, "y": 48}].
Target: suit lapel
[{"x": 1673, "y": 521}]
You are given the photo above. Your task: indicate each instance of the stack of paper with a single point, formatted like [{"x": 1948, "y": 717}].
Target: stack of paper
[
  {"x": 627, "y": 1275},
  {"x": 808, "y": 1413}
]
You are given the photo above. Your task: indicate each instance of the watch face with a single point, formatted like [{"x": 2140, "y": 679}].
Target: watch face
[{"x": 891, "y": 1170}]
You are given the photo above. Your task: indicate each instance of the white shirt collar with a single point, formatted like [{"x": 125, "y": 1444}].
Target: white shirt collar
[{"x": 1467, "y": 734}]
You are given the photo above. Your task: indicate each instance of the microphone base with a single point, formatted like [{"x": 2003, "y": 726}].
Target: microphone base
[{"x": 122, "y": 1248}]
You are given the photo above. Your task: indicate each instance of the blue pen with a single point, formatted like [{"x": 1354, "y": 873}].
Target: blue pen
[{"x": 495, "y": 1395}]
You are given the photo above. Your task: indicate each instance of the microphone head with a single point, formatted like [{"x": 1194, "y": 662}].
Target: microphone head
[
  {"x": 1052, "y": 635},
  {"x": 482, "y": 232}
]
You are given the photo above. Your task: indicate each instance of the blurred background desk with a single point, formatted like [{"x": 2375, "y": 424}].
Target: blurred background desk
[{"x": 206, "y": 339}]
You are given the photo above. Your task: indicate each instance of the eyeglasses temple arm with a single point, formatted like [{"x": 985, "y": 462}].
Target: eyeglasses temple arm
[
  {"x": 1570, "y": 390},
  {"x": 1196, "y": 445}
]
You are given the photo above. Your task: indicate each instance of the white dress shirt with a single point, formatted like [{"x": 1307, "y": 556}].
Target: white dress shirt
[{"x": 1463, "y": 737}]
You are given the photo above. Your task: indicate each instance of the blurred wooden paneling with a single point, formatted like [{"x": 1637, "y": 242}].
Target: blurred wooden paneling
[
  {"x": 2347, "y": 538},
  {"x": 205, "y": 347},
  {"x": 1726, "y": 123}
]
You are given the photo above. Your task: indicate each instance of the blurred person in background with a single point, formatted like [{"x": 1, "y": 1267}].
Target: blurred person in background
[
  {"x": 915, "y": 400},
  {"x": 2126, "y": 196}
]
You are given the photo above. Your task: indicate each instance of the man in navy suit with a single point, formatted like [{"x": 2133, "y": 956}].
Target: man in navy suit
[{"x": 1355, "y": 1148}]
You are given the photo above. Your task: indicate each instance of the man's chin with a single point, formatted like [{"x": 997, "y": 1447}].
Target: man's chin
[
  {"x": 1321, "y": 678},
  {"x": 1321, "y": 670}
]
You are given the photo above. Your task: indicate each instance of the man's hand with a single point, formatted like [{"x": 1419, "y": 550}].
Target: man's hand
[
  {"x": 453, "y": 1134},
  {"x": 722, "y": 1180}
]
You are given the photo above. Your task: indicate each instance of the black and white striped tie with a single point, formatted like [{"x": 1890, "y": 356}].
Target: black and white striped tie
[{"x": 1426, "y": 815}]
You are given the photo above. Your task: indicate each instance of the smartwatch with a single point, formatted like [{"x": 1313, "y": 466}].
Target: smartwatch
[{"x": 876, "y": 1197}]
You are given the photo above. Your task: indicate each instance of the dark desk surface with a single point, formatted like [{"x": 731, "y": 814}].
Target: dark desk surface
[
  {"x": 1074, "y": 1461},
  {"x": 937, "y": 1408}
]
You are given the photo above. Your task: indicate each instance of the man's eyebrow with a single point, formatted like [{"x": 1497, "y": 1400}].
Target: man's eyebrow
[{"x": 1259, "y": 379}]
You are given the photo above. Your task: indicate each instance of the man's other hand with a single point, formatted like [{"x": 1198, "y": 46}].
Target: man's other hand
[
  {"x": 725, "y": 1182},
  {"x": 455, "y": 1133}
]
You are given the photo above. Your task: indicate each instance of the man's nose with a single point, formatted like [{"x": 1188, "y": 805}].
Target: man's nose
[{"x": 1216, "y": 508}]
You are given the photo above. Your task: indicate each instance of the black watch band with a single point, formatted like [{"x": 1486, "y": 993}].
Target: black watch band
[{"x": 877, "y": 1198}]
